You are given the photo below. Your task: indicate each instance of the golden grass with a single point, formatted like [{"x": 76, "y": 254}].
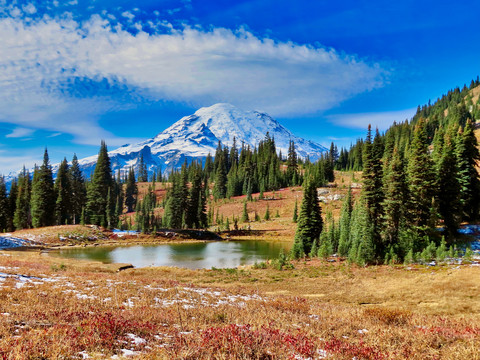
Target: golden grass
[{"x": 70, "y": 308}]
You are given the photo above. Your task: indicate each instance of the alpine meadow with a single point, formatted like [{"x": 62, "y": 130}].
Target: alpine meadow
[{"x": 338, "y": 220}]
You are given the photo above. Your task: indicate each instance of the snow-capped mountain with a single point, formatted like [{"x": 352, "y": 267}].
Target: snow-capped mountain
[{"x": 195, "y": 136}]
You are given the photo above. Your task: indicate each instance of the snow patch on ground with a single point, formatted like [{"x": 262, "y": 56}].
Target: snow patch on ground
[{"x": 7, "y": 241}]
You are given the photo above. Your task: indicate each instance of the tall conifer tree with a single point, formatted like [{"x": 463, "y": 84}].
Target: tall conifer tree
[
  {"x": 97, "y": 192},
  {"x": 43, "y": 195}
]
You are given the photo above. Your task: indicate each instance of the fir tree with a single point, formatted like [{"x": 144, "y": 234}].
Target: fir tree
[
  {"x": 131, "y": 191},
  {"x": 468, "y": 157},
  {"x": 245, "y": 213},
  {"x": 12, "y": 205},
  {"x": 310, "y": 221},
  {"x": 421, "y": 181},
  {"x": 4, "y": 212},
  {"x": 22, "y": 217},
  {"x": 142, "y": 170},
  {"x": 78, "y": 190},
  {"x": 362, "y": 250},
  {"x": 345, "y": 223},
  {"x": 43, "y": 196},
  {"x": 63, "y": 191},
  {"x": 372, "y": 183},
  {"x": 395, "y": 189},
  {"x": 267, "y": 213},
  {"x": 97, "y": 192},
  {"x": 295, "y": 212},
  {"x": 449, "y": 189}
]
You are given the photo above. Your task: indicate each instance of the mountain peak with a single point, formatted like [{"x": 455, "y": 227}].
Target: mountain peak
[{"x": 195, "y": 136}]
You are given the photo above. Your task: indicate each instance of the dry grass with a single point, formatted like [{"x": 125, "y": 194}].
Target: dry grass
[{"x": 65, "y": 310}]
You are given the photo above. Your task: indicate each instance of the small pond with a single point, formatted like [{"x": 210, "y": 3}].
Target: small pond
[{"x": 198, "y": 255}]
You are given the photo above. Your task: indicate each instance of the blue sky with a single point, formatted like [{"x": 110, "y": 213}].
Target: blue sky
[{"x": 75, "y": 72}]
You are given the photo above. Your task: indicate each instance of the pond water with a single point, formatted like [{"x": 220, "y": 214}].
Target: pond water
[{"x": 198, "y": 255}]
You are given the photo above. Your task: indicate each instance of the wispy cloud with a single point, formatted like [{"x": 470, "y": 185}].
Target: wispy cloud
[
  {"x": 20, "y": 132},
  {"x": 188, "y": 64},
  {"x": 382, "y": 120}
]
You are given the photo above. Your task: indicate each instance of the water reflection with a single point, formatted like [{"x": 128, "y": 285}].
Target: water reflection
[{"x": 221, "y": 254}]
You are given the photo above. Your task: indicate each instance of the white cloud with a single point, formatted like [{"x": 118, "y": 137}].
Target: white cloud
[
  {"x": 20, "y": 132},
  {"x": 30, "y": 9},
  {"x": 382, "y": 120},
  {"x": 191, "y": 65}
]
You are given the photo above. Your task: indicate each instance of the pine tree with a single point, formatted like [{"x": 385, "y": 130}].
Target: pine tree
[
  {"x": 395, "y": 189},
  {"x": 345, "y": 224},
  {"x": 22, "y": 217},
  {"x": 267, "y": 213},
  {"x": 372, "y": 183},
  {"x": 131, "y": 191},
  {"x": 63, "y": 191},
  {"x": 4, "y": 212},
  {"x": 292, "y": 166},
  {"x": 142, "y": 170},
  {"x": 97, "y": 192},
  {"x": 310, "y": 221},
  {"x": 295, "y": 212},
  {"x": 43, "y": 196},
  {"x": 220, "y": 189},
  {"x": 421, "y": 181},
  {"x": 468, "y": 157},
  {"x": 12, "y": 204},
  {"x": 174, "y": 210},
  {"x": 195, "y": 208},
  {"x": 449, "y": 205},
  {"x": 78, "y": 190},
  {"x": 362, "y": 250},
  {"x": 245, "y": 213}
]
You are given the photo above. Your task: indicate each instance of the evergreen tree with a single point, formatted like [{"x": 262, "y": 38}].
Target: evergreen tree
[
  {"x": 468, "y": 157},
  {"x": 310, "y": 221},
  {"x": 4, "y": 212},
  {"x": 142, "y": 170},
  {"x": 295, "y": 212},
  {"x": 362, "y": 250},
  {"x": 22, "y": 217},
  {"x": 267, "y": 213},
  {"x": 97, "y": 192},
  {"x": 449, "y": 189},
  {"x": 421, "y": 181},
  {"x": 372, "y": 183},
  {"x": 245, "y": 213},
  {"x": 43, "y": 196},
  {"x": 131, "y": 191},
  {"x": 174, "y": 210},
  {"x": 63, "y": 191},
  {"x": 78, "y": 190},
  {"x": 292, "y": 166},
  {"x": 345, "y": 223},
  {"x": 395, "y": 189},
  {"x": 12, "y": 204},
  {"x": 195, "y": 216}
]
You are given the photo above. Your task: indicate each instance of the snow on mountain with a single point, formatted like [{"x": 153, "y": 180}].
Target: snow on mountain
[{"x": 195, "y": 136}]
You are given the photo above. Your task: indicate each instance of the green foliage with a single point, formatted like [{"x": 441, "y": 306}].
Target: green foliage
[
  {"x": 267, "y": 213},
  {"x": 97, "y": 192},
  {"x": 295, "y": 212},
  {"x": 310, "y": 222},
  {"x": 43, "y": 196},
  {"x": 245, "y": 213}
]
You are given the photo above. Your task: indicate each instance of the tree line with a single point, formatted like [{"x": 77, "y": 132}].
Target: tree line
[
  {"x": 37, "y": 200},
  {"x": 420, "y": 182}
]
